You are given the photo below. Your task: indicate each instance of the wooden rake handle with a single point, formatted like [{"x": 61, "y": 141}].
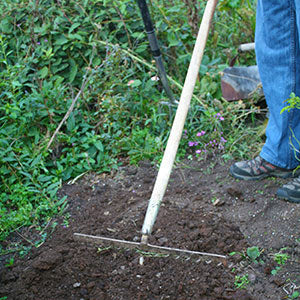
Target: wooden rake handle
[{"x": 164, "y": 172}]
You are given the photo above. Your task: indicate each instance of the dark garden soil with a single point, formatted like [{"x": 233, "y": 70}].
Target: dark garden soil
[{"x": 204, "y": 209}]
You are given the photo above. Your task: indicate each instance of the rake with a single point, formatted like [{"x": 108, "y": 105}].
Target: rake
[{"x": 165, "y": 168}]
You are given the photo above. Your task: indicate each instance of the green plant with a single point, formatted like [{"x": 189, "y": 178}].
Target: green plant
[
  {"x": 103, "y": 249},
  {"x": 292, "y": 102},
  {"x": 141, "y": 144},
  {"x": 295, "y": 295},
  {"x": 281, "y": 259},
  {"x": 241, "y": 254},
  {"x": 66, "y": 220},
  {"x": 48, "y": 49},
  {"x": 275, "y": 271},
  {"x": 211, "y": 143},
  {"x": 241, "y": 282},
  {"x": 10, "y": 262},
  {"x": 213, "y": 199},
  {"x": 253, "y": 253}
]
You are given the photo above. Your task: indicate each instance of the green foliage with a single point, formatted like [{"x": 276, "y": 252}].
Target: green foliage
[
  {"x": 275, "y": 271},
  {"x": 295, "y": 295},
  {"x": 25, "y": 179},
  {"x": 241, "y": 282},
  {"x": 49, "y": 48},
  {"x": 141, "y": 144},
  {"x": 253, "y": 253},
  {"x": 281, "y": 258},
  {"x": 10, "y": 262},
  {"x": 57, "y": 37},
  {"x": 292, "y": 102},
  {"x": 208, "y": 143},
  {"x": 31, "y": 109}
]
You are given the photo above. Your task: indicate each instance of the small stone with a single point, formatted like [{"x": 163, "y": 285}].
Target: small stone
[
  {"x": 163, "y": 240},
  {"x": 141, "y": 261},
  {"x": 218, "y": 202},
  {"x": 91, "y": 285},
  {"x": 234, "y": 192},
  {"x": 267, "y": 270},
  {"x": 252, "y": 277},
  {"x": 132, "y": 171},
  {"x": 148, "y": 180},
  {"x": 77, "y": 284},
  {"x": 192, "y": 225},
  {"x": 83, "y": 292},
  {"x": 277, "y": 280},
  {"x": 136, "y": 239}
]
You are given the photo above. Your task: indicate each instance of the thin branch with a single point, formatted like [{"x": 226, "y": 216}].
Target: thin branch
[
  {"x": 62, "y": 9},
  {"x": 26, "y": 239},
  {"x": 84, "y": 83},
  {"x": 122, "y": 20}
]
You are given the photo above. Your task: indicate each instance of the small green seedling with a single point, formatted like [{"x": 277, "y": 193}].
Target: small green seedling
[
  {"x": 295, "y": 295},
  {"x": 275, "y": 271},
  {"x": 214, "y": 199},
  {"x": 99, "y": 249},
  {"x": 66, "y": 219},
  {"x": 241, "y": 281},
  {"x": 10, "y": 262},
  {"x": 241, "y": 254},
  {"x": 253, "y": 253},
  {"x": 281, "y": 258}
]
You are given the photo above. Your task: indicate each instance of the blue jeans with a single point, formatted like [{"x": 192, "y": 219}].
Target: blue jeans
[{"x": 278, "y": 59}]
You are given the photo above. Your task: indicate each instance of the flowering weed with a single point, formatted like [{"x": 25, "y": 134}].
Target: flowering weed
[{"x": 208, "y": 143}]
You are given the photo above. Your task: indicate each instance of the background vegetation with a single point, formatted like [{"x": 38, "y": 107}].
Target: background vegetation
[{"x": 93, "y": 56}]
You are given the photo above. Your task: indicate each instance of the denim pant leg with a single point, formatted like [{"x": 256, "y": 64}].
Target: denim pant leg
[{"x": 278, "y": 59}]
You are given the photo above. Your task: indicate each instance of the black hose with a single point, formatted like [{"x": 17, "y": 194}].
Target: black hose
[{"x": 154, "y": 47}]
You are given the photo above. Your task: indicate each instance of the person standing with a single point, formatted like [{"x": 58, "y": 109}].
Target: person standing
[{"x": 278, "y": 59}]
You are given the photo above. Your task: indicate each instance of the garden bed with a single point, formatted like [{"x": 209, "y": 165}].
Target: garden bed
[{"x": 204, "y": 209}]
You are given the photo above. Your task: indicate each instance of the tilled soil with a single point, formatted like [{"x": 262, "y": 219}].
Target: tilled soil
[{"x": 204, "y": 209}]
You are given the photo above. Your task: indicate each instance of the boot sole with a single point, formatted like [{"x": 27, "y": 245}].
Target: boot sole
[
  {"x": 262, "y": 176},
  {"x": 284, "y": 195}
]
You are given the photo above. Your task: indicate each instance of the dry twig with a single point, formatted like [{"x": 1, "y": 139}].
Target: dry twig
[{"x": 84, "y": 83}]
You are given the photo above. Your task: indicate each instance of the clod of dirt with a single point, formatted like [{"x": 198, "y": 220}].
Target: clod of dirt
[
  {"x": 47, "y": 260},
  {"x": 235, "y": 192}
]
